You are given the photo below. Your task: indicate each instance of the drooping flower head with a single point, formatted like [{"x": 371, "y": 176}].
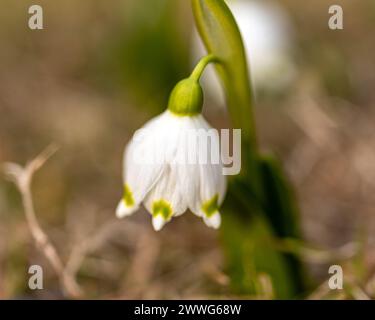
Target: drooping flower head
[{"x": 173, "y": 162}]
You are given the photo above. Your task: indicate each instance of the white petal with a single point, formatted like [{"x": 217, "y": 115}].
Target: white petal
[
  {"x": 123, "y": 210},
  {"x": 158, "y": 222},
  {"x": 188, "y": 172},
  {"x": 139, "y": 176},
  {"x": 222, "y": 188},
  {"x": 213, "y": 221},
  {"x": 203, "y": 179},
  {"x": 212, "y": 184},
  {"x": 212, "y": 179},
  {"x": 167, "y": 189},
  {"x": 189, "y": 178},
  {"x": 143, "y": 157}
]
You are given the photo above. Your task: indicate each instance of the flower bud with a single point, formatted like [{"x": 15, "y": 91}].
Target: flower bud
[{"x": 186, "y": 98}]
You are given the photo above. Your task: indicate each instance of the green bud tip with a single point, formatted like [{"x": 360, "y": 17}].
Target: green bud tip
[{"x": 186, "y": 98}]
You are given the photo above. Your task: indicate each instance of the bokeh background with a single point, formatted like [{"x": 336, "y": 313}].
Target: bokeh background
[{"x": 99, "y": 69}]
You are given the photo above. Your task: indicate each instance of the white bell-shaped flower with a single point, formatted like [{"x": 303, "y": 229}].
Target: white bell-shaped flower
[{"x": 173, "y": 163}]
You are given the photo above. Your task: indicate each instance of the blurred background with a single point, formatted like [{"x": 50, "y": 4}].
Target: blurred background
[{"x": 98, "y": 70}]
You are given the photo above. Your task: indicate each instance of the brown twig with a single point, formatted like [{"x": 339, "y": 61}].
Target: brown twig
[
  {"x": 22, "y": 177},
  {"x": 89, "y": 245}
]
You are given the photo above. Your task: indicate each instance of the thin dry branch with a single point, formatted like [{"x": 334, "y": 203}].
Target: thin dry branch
[
  {"x": 318, "y": 255},
  {"x": 89, "y": 245},
  {"x": 22, "y": 177}
]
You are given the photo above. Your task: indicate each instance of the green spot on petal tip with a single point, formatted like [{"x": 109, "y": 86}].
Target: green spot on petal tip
[
  {"x": 211, "y": 206},
  {"x": 128, "y": 196},
  {"x": 163, "y": 208}
]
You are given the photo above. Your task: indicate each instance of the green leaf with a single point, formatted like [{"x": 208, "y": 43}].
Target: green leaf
[
  {"x": 279, "y": 202},
  {"x": 249, "y": 252},
  {"x": 248, "y": 238},
  {"x": 222, "y": 38},
  {"x": 259, "y": 204},
  {"x": 282, "y": 212}
]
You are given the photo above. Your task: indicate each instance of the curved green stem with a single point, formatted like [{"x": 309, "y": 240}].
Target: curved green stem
[{"x": 202, "y": 64}]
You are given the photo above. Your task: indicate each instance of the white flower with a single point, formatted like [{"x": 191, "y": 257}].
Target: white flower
[
  {"x": 267, "y": 34},
  {"x": 170, "y": 187}
]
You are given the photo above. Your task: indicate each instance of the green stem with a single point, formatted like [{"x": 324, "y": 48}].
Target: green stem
[{"x": 202, "y": 64}]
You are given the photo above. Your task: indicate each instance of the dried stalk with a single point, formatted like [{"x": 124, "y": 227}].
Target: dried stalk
[
  {"x": 88, "y": 246},
  {"x": 22, "y": 177}
]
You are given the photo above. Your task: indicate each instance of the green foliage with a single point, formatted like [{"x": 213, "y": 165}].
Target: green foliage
[
  {"x": 260, "y": 205},
  {"x": 250, "y": 253},
  {"x": 279, "y": 200},
  {"x": 280, "y": 207},
  {"x": 222, "y": 38}
]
